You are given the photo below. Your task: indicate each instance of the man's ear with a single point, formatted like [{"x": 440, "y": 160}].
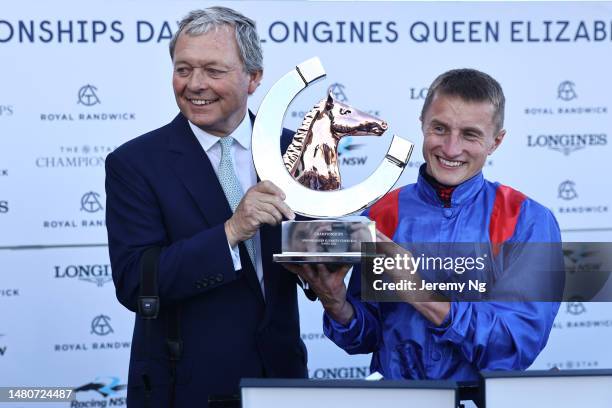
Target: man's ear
[
  {"x": 254, "y": 80},
  {"x": 499, "y": 138}
]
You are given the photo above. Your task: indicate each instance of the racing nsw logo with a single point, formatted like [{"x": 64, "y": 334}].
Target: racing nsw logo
[{"x": 104, "y": 388}]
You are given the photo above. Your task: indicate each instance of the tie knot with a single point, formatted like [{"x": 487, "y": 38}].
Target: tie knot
[{"x": 226, "y": 143}]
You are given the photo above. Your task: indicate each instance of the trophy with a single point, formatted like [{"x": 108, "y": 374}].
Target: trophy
[{"x": 308, "y": 172}]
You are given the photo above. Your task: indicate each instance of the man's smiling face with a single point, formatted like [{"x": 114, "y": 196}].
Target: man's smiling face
[
  {"x": 211, "y": 85},
  {"x": 458, "y": 137}
]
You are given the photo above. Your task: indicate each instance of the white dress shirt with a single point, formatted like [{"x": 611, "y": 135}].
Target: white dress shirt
[{"x": 245, "y": 171}]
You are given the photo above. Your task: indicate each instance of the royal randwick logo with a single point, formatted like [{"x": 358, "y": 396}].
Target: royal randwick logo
[
  {"x": 567, "y": 190},
  {"x": 90, "y": 202},
  {"x": 569, "y": 104},
  {"x": 88, "y": 103},
  {"x": 566, "y": 91},
  {"x": 572, "y": 140},
  {"x": 576, "y": 203},
  {"x": 101, "y": 326},
  {"x": 88, "y": 95},
  {"x": 90, "y": 214}
]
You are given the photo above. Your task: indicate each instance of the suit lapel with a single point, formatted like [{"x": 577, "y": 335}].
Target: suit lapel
[{"x": 194, "y": 170}]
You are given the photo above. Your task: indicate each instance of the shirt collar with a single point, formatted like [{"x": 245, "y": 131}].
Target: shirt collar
[
  {"x": 242, "y": 135},
  {"x": 462, "y": 193}
]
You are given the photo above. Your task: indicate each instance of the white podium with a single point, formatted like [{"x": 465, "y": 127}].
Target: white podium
[
  {"x": 294, "y": 393},
  {"x": 559, "y": 389}
]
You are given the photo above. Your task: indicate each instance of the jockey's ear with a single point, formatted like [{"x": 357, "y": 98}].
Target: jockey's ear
[{"x": 329, "y": 104}]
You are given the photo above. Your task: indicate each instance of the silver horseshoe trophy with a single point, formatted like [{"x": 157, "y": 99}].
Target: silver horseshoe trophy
[{"x": 308, "y": 171}]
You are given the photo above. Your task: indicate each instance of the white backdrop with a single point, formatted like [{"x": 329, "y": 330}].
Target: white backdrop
[{"x": 79, "y": 79}]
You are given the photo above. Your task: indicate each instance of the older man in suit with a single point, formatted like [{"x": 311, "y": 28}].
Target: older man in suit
[{"x": 190, "y": 191}]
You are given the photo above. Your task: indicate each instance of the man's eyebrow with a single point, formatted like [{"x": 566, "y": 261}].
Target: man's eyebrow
[
  {"x": 438, "y": 122},
  {"x": 473, "y": 129}
]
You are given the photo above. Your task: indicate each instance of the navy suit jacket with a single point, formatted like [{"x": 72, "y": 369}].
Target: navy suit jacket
[{"x": 162, "y": 191}]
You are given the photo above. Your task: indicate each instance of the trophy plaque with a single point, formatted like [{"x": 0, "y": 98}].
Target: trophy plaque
[{"x": 308, "y": 171}]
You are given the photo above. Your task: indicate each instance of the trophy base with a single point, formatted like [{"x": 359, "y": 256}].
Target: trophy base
[{"x": 318, "y": 258}]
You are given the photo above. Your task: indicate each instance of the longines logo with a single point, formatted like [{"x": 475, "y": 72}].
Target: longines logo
[
  {"x": 567, "y": 143},
  {"x": 99, "y": 274},
  {"x": 567, "y": 92},
  {"x": 6, "y": 110},
  {"x": 76, "y": 157},
  {"x": 104, "y": 391},
  {"x": 90, "y": 204},
  {"x": 418, "y": 93},
  {"x": 88, "y": 96},
  {"x": 568, "y": 191},
  {"x": 340, "y": 373},
  {"x": 100, "y": 325}
]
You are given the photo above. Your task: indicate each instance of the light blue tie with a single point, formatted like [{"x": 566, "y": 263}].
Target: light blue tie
[{"x": 231, "y": 185}]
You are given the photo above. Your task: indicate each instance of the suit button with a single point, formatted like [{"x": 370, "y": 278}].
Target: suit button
[
  {"x": 448, "y": 212},
  {"x": 436, "y": 355},
  {"x": 219, "y": 278}
]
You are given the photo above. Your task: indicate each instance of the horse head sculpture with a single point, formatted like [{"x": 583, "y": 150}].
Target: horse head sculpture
[{"x": 312, "y": 156}]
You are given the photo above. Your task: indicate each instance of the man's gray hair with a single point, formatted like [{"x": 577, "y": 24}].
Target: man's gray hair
[{"x": 200, "y": 22}]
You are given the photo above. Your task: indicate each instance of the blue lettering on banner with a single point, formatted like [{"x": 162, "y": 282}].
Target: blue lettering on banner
[
  {"x": 560, "y": 31},
  {"x": 61, "y": 31},
  {"x": 146, "y": 32},
  {"x": 322, "y": 31},
  {"x": 455, "y": 31},
  {"x": 338, "y": 32}
]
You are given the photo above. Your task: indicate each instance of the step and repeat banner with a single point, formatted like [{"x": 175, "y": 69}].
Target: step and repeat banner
[{"x": 79, "y": 79}]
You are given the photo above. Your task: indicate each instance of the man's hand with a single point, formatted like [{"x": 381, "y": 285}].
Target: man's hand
[
  {"x": 329, "y": 287},
  {"x": 262, "y": 204},
  {"x": 432, "y": 305}
]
